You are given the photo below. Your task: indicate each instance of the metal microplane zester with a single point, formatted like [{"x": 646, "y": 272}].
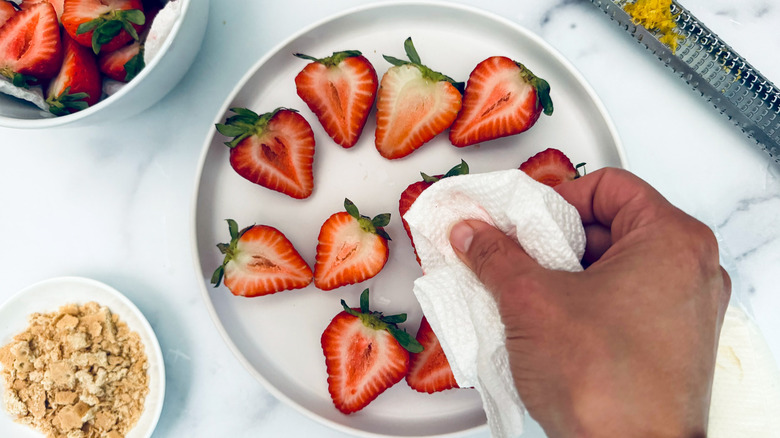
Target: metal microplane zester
[{"x": 714, "y": 69}]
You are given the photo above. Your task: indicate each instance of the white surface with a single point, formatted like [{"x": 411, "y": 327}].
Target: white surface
[
  {"x": 461, "y": 311},
  {"x": 374, "y": 184},
  {"x": 113, "y": 203},
  {"x": 48, "y": 296},
  {"x": 156, "y": 79}
]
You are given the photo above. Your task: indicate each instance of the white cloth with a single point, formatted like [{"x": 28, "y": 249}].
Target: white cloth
[{"x": 460, "y": 310}]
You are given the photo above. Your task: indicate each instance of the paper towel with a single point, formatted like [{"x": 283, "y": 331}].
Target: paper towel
[
  {"x": 161, "y": 28},
  {"x": 34, "y": 94},
  {"x": 460, "y": 310},
  {"x": 746, "y": 386}
]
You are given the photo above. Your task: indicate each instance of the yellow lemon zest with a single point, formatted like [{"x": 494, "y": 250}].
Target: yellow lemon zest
[{"x": 656, "y": 15}]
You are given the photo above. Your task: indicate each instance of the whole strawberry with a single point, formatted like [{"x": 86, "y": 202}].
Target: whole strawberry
[
  {"x": 365, "y": 354},
  {"x": 260, "y": 260},
  {"x": 502, "y": 98},
  {"x": 30, "y": 45},
  {"x": 103, "y": 25},
  {"x": 340, "y": 90},
  {"x": 274, "y": 150},
  {"x": 551, "y": 167},
  {"x": 351, "y": 248},
  {"x": 415, "y": 104},
  {"x": 413, "y": 191}
]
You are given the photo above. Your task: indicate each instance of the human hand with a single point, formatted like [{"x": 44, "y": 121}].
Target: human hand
[{"x": 625, "y": 348}]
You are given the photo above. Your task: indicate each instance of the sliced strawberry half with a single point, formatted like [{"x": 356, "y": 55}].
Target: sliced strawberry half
[
  {"x": 551, "y": 167},
  {"x": 502, "y": 98},
  {"x": 365, "y": 354},
  {"x": 429, "y": 370},
  {"x": 122, "y": 64},
  {"x": 30, "y": 45},
  {"x": 103, "y": 25},
  {"x": 7, "y": 10},
  {"x": 340, "y": 90},
  {"x": 58, "y": 5},
  {"x": 260, "y": 260},
  {"x": 351, "y": 248},
  {"x": 274, "y": 150},
  {"x": 78, "y": 85},
  {"x": 413, "y": 191},
  {"x": 414, "y": 105}
]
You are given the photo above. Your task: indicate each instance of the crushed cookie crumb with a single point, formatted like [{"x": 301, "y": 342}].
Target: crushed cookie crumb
[{"x": 78, "y": 372}]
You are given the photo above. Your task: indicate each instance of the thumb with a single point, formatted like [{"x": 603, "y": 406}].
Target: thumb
[{"x": 495, "y": 258}]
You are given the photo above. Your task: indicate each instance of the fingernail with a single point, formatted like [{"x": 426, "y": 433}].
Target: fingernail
[{"x": 461, "y": 236}]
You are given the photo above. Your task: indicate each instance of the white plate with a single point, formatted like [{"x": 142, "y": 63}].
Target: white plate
[
  {"x": 277, "y": 337},
  {"x": 50, "y": 295}
]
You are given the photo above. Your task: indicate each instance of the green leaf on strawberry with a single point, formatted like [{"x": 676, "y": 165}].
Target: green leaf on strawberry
[
  {"x": 378, "y": 321},
  {"x": 245, "y": 123},
  {"x": 67, "y": 103},
  {"x": 459, "y": 169},
  {"x": 135, "y": 65},
  {"x": 427, "y": 72},
  {"x": 372, "y": 225},
  {"x": 541, "y": 86},
  {"x": 332, "y": 60},
  {"x": 108, "y": 26},
  {"x": 22, "y": 81}
]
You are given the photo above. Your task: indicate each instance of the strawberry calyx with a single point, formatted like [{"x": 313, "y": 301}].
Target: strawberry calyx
[
  {"x": 333, "y": 60},
  {"x": 427, "y": 72},
  {"x": 67, "y": 103},
  {"x": 373, "y": 225},
  {"x": 245, "y": 123},
  {"x": 108, "y": 25},
  {"x": 459, "y": 169},
  {"x": 135, "y": 64},
  {"x": 18, "y": 79},
  {"x": 541, "y": 86},
  {"x": 228, "y": 249},
  {"x": 378, "y": 321},
  {"x": 577, "y": 168}
]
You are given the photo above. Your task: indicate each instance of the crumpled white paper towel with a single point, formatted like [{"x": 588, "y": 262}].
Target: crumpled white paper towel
[
  {"x": 746, "y": 386},
  {"x": 161, "y": 28},
  {"x": 33, "y": 94},
  {"x": 460, "y": 310}
]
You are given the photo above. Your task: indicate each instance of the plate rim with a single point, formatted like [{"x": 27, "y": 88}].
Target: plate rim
[
  {"x": 155, "y": 349},
  {"x": 384, "y": 4}
]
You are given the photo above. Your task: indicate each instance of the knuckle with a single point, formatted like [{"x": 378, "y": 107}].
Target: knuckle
[
  {"x": 485, "y": 254},
  {"x": 725, "y": 295},
  {"x": 700, "y": 247},
  {"x": 521, "y": 293},
  {"x": 701, "y": 253}
]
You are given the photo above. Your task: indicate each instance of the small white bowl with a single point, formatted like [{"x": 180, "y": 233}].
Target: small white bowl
[
  {"x": 159, "y": 76},
  {"x": 49, "y": 296}
]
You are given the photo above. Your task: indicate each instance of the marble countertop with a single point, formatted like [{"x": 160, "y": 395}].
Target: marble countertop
[{"x": 113, "y": 202}]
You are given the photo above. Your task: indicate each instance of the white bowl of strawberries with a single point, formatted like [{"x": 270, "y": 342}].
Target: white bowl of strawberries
[{"x": 65, "y": 61}]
